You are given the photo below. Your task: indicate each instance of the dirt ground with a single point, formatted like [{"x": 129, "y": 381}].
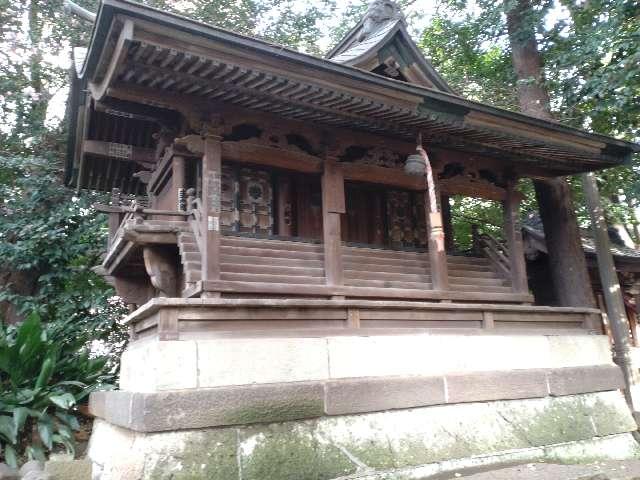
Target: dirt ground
[{"x": 614, "y": 470}]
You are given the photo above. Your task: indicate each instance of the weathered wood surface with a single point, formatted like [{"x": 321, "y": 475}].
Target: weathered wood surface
[{"x": 249, "y": 316}]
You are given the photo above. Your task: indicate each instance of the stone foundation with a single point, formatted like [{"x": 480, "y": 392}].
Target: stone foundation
[
  {"x": 400, "y": 444},
  {"x": 374, "y": 407}
]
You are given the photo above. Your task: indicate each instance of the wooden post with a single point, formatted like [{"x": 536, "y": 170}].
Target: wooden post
[
  {"x": 211, "y": 196},
  {"x": 115, "y": 218},
  {"x": 178, "y": 183},
  {"x": 513, "y": 236},
  {"x": 449, "y": 241},
  {"x": 616, "y": 312},
  {"x": 435, "y": 229},
  {"x": 333, "y": 205}
]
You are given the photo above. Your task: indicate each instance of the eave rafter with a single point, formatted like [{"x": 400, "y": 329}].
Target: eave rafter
[{"x": 152, "y": 65}]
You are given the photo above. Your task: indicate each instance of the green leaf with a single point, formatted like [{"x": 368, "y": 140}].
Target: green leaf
[
  {"x": 46, "y": 372},
  {"x": 68, "y": 419},
  {"x": 45, "y": 430},
  {"x": 35, "y": 452},
  {"x": 64, "y": 401},
  {"x": 20, "y": 415},
  {"x": 10, "y": 456},
  {"x": 7, "y": 429}
]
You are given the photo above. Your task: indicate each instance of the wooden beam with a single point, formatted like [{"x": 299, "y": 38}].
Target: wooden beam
[
  {"x": 513, "y": 236},
  {"x": 381, "y": 175},
  {"x": 211, "y": 197},
  {"x": 119, "y": 150},
  {"x": 246, "y": 152},
  {"x": 99, "y": 90},
  {"x": 333, "y": 205}
]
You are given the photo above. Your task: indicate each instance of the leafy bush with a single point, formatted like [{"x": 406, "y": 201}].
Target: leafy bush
[
  {"x": 42, "y": 381},
  {"x": 50, "y": 239}
]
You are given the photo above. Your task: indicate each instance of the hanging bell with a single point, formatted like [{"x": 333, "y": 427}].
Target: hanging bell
[{"x": 415, "y": 165}]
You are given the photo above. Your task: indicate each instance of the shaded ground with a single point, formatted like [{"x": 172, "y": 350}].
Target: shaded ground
[{"x": 614, "y": 470}]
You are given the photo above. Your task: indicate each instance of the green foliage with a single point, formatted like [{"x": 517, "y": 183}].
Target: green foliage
[
  {"x": 41, "y": 381},
  {"x": 591, "y": 53},
  {"x": 50, "y": 238}
]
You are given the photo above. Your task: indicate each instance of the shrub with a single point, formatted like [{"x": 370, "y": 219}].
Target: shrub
[{"x": 42, "y": 380}]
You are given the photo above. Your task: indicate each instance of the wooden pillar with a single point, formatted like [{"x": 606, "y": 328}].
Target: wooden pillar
[
  {"x": 178, "y": 183},
  {"x": 115, "y": 218},
  {"x": 211, "y": 196},
  {"x": 435, "y": 229},
  {"x": 333, "y": 205},
  {"x": 513, "y": 237},
  {"x": 616, "y": 311},
  {"x": 449, "y": 241}
]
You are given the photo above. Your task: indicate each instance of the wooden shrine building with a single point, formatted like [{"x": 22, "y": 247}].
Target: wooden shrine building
[{"x": 261, "y": 195}]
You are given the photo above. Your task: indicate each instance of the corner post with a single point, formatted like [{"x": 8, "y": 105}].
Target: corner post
[
  {"x": 333, "y": 205},
  {"x": 211, "y": 195},
  {"x": 435, "y": 229},
  {"x": 616, "y": 311},
  {"x": 513, "y": 237}
]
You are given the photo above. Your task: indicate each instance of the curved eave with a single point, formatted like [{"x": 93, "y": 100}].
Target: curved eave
[{"x": 409, "y": 108}]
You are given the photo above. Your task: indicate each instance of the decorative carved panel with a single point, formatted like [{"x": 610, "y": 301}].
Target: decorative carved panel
[
  {"x": 406, "y": 219},
  {"x": 247, "y": 200}
]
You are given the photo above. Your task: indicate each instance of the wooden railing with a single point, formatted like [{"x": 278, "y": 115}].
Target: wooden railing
[{"x": 496, "y": 251}]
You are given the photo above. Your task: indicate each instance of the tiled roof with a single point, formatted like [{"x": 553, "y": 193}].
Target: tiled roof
[{"x": 533, "y": 225}]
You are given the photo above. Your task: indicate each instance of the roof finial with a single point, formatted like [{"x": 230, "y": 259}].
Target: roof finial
[{"x": 378, "y": 12}]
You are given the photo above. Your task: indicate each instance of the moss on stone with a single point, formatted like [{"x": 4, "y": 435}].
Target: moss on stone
[
  {"x": 290, "y": 452},
  {"x": 560, "y": 420},
  {"x": 272, "y": 412},
  {"x": 206, "y": 455}
]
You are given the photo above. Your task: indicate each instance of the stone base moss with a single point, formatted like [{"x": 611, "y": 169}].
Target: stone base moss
[{"x": 393, "y": 444}]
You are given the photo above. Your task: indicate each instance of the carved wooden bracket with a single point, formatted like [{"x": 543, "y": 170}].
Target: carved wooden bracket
[{"x": 162, "y": 270}]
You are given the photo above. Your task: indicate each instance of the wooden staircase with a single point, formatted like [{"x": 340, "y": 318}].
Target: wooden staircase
[
  {"x": 256, "y": 261},
  {"x": 370, "y": 267}
]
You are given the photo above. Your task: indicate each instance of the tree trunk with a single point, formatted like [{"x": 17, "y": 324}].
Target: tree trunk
[{"x": 566, "y": 257}]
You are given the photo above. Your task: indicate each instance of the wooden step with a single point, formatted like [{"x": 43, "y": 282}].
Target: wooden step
[
  {"x": 192, "y": 276},
  {"x": 386, "y": 254},
  {"x": 188, "y": 266},
  {"x": 480, "y": 288},
  {"x": 381, "y": 267},
  {"x": 388, "y": 284},
  {"x": 264, "y": 278},
  {"x": 190, "y": 256},
  {"x": 232, "y": 241},
  {"x": 362, "y": 259},
  {"x": 386, "y": 276},
  {"x": 460, "y": 260},
  {"x": 275, "y": 253},
  {"x": 281, "y": 262},
  {"x": 457, "y": 271},
  {"x": 276, "y": 270},
  {"x": 476, "y": 281},
  {"x": 188, "y": 247}
]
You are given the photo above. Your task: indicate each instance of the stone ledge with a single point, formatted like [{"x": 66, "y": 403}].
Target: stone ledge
[{"x": 277, "y": 402}]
